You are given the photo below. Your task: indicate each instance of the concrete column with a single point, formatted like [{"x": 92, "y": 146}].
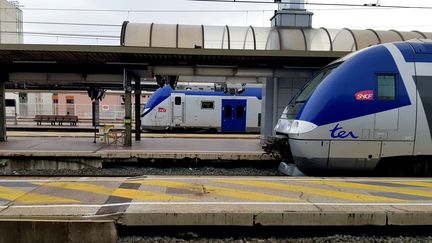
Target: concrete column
[
  {"x": 277, "y": 92},
  {"x": 128, "y": 109},
  {"x": 267, "y": 109},
  {"x": 275, "y": 105},
  {"x": 137, "y": 110},
  {"x": 3, "y": 136}
]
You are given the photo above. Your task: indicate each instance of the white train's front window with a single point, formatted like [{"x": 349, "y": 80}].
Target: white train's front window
[{"x": 310, "y": 87}]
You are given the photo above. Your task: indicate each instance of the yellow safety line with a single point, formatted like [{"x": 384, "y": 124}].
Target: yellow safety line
[
  {"x": 374, "y": 188},
  {"x": 412, "y": 183},
  {"x": 213, "y": 190},
  {"x": 110, "y": 191},
  {"x": 315, "y": 191},
  {"x": 31, "y": 198}
]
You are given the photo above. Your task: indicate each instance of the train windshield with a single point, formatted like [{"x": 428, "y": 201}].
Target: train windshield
[{"x": 310, "y": 87}]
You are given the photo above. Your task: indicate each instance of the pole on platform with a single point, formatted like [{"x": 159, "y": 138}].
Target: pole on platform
[
  {"x": 3, "y": 136},
  {"x": 95, "y": 95},
  {"x": 128, "y": 109},
  {"x": 95, "y": 116},
  {"x": 137, "y": 110}
]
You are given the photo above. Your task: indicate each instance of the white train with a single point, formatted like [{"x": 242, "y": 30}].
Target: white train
[
  {"x": 371, "y": 108},
  {"x": 231, "y": 112}
]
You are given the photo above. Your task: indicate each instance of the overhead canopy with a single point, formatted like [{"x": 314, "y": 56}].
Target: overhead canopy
[
  {"x": 36, "y": 66},
  {"x": 261, "y": 38}
]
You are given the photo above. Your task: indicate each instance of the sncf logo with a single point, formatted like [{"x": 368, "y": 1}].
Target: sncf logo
[
  {"x": 161, "y": 109},
  {"x": 365, "y": 95}
]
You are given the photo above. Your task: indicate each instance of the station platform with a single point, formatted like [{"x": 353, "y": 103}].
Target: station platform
[
  {"x": 75, "y": 151},
  {"x": 215, "y": 201}
]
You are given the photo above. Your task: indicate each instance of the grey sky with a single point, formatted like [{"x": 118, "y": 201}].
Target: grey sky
[{"x": 400, "y": 19}]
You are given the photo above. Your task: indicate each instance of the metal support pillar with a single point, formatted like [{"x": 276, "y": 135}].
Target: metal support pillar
[
  {"x": 128, "y": 109},
  {"x": 95, "y": 95},
  {"x": 137, "y": 110},
  {"x": 95, "y": 117},
  {"x": 275, "y": 104},
  {"x": 3, "y": 136},
  {"x": 267, "y": 109}
]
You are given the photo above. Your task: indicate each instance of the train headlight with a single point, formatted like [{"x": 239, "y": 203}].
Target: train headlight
[
  {"x": 299, "y": 126},
  {"x": 283, "y": 125}
]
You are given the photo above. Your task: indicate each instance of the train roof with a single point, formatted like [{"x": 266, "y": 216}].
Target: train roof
[
  {"x": 418, "y": 50},
  {"x": 248, "y": 91}
]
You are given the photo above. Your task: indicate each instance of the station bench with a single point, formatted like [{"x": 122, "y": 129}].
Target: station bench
[{"x": 56, "y": 118}]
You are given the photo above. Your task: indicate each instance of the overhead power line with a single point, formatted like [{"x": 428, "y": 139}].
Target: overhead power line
[
  {"x": 321, "y": 4},
  {"x": 145, "y": 10},
  {"x": 62, "y": 34},
  {"x": 61, "y": 23}
]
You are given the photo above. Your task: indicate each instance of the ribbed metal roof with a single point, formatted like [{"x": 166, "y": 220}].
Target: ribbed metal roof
[{"x": 258, "y": 38}]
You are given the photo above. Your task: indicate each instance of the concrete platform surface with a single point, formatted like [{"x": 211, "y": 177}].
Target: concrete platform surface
[
  {"x": 220, "y": 201},
  {"x": 205, "y": 148}
]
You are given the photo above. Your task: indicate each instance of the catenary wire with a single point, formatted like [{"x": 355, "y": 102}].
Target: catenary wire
[{"x": 321, "y": 4}]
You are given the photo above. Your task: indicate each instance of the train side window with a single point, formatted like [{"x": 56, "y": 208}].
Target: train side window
[
  {"x": 386, "y": 87},
  {"x": 239, "y": 111},
  {"x": 177, "y": 100},
  {"x": 228, "y": 111},
  {"x": 207, "y": 104}
]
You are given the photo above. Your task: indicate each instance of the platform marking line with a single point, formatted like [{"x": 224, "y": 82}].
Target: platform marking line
[
  {"x": 413, "y": 183},
  {"x": 189, "y": 178},
  {"x": 315, "y": 191},
  {"x": 26, "y": 197},
  {"x": 111, "y": 191},
  {"x": 220, "y": 203},
  {"x": 274, "y": 178},
  {"x": 213, "y": 190},
  {"x": 358, "y": 185}
]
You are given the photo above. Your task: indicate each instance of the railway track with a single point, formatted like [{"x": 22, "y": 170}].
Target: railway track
[
  {"x": 161, "y": 168},
  {"x": 278, "y": 234}
]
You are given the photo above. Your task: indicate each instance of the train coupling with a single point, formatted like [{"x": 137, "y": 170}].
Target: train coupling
[{"x": 278, "y": 146}]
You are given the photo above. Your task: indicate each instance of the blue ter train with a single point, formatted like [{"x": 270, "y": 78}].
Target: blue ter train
[
  {"x": 231, "y": 112},
  {"x": 370, "y": 109}
]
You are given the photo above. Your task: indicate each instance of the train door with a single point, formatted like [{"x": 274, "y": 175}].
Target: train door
[
  {"x": 396, "y": 127},
  {"x": 178, "y": 102},
  {"x": 233, "y": 115}
]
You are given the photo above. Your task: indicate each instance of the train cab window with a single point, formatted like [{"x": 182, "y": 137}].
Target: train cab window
[
  {"x": 311, "y": 85},
  {"x": 386, "y": 87},
  {"x": 239, "y": 111},
  {"x": 207, "y": 104},
  {"x": 228, "y": 111},
  {"x": 177, "y": 100}
]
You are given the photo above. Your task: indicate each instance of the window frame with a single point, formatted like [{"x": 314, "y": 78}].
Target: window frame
[
  {"x": 207, "y": 101},
  {"x": 242, "y": 112},
  {"x": 230, "y": 112},
  {"x": 395, "y": 79}
]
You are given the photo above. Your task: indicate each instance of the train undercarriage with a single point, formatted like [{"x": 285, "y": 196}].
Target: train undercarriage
[{"x": 420, "y": 166}]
